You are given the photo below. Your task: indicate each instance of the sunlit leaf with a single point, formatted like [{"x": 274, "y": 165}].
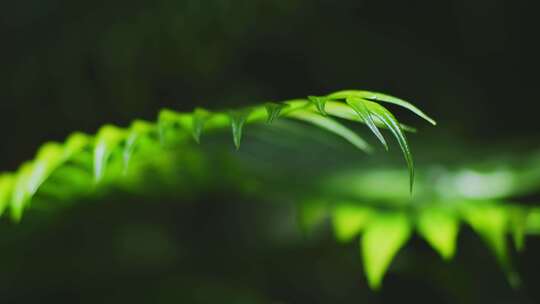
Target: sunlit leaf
[
  {"x": 393, "y": 125},
  {"x": 439, "y": 227},
  {"x": 333, "y": 126},
  {"x": 374, "y": 96},
  {"x": 381, "y": 241},
  {"x": 75, "y": 143},
  {"x": 108, "y": 138},
  {"x": 348, "y": 220}
]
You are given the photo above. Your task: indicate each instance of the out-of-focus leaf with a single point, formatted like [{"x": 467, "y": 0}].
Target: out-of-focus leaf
[
  {"x": 320, "y": 103},
  {"x": 273, "y": 110},
  {"x": 238, "y": 119},
  {"x": 311, "y": 213},
  {"x": 374, "y": 96},
  {"x": 518, "y": 225},
  {"x": 20, "y": 195},
  {"x": 348, "y": 220},
  {"x": 490, "y": 222},
  {"x": 200, "y": 116},
  {"x": 107, "y": 140},
  {"x": 440, "y": 228},
  {"x": 49, "y": 157},
  {"x": 533, "y": 221},
  {"x": 169, "y": 120},
  {"x": 359, "y": 105},
  {"x": 381, "y": 241},
  {"x": 6, "y": 189},
  {"x": 333, "y": 126},
  {"x": 393, "y": 125},
  {"x": 75, "y": 143},
  {"x": 138, "y": 130}
]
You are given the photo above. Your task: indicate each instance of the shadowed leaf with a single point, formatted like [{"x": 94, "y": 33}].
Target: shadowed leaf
[
  {"x": 238, "y": 119},
  {"x": 200, "y": 116},
  {"x": 273, "y": 110}
]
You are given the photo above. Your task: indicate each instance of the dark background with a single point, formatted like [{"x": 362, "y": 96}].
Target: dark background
[{"x": 75, "y": 65}]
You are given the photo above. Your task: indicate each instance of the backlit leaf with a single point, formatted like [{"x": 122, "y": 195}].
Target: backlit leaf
[
  {"x": 374, "y": 96},
  {"x": 6, "y": 189},
  {"x": 393, "y": 125},
  {"x": 333, "y": 126},
  {"x": 320, "y": 103},
  {"x": 381, "y": 241},
  {"x": 107, "y": 140},
  {"x": 439, "y": 227},
  {"x": 359, "y": 106},
  {"x": 349, "y": 220}
]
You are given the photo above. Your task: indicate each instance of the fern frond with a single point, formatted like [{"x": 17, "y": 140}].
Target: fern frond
[{"x": 18, "y": 189}]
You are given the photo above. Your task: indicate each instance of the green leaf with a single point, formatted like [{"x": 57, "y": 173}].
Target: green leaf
[
  {"x": 349, "y": 220},
  {"x": 333, "y": 126},
  {"x": 200, "y": 116},
  {"x": 238, "y": 119},
  {"x": 75, "y": 143},
  {"x": 374, "y": 96},
  {"x": 6, "y": 189},
  {"x": 311, "y": 213},
  {"x": 138, "y": 130},
  {"x": 273, "y": 110},
  {"x": 518, "y": 225},
  {"x": 49, "y": 157},
  {"x": 107, "y": 140},
  {"x": 490, "y": 222},
  {"x": 320, "y": 103},
  {"x": 440, "y": 228},
  {"x": 168, "y": 121},
  {"x": 393, "y": 125},
  {"x": 359, "y": 106},
  {"x": 20, "y": 196},
  {"x": 381, "y": 241}
]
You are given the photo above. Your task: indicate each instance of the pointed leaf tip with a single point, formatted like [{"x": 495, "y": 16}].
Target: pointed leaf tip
[
  {"x": 382, "y": 239},
  {"x": 320, "y": 103},
  {"x": 199, "y": 118},
  {"x": 238, "y": 119},
  {"x": 349, "y": 220},
  {"x": 439, "y": 228},
  {"x": 359, "y": 106},
  {"x": 273, "y": 111},
  {"x": 333, "y": 126},
  {"x": 393, "y": 125}
]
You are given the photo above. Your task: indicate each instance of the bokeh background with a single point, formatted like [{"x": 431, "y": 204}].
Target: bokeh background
[{"x": 76, "y": 65}]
